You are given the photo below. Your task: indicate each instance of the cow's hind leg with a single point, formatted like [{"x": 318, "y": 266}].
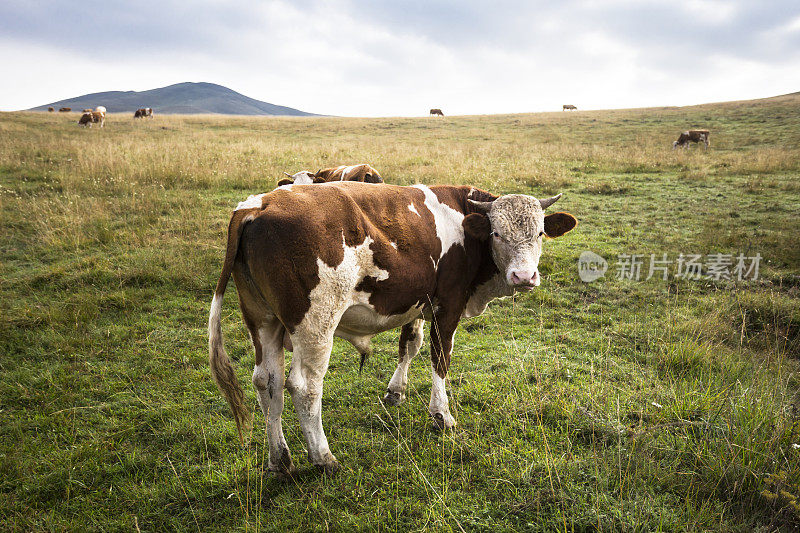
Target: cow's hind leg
[
  {"x": 307, "y": 372},
  {"x": 268, "y": 379},
  {"x": 410, "y": 343}
]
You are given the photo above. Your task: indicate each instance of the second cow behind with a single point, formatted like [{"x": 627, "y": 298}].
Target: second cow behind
[{"x": 362, "y": 172}]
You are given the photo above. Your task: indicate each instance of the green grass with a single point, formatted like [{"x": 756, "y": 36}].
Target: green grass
[{"x": 611, "y": 406}]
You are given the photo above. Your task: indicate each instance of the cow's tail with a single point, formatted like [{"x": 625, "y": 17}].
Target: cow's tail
[{"x": 221, "y": 368}]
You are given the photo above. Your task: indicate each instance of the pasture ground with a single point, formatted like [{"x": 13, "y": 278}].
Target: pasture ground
[{"x": 611, "y": 406}]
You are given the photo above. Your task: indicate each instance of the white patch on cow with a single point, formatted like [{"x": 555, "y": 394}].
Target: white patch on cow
[
  {"x": 496, "y": 287},
  {"x": 393, "y": 245},
  {"x": 251, "y": 202},
  {"x": 414, "y": 210},
  {"x": 347, "y": 170},
  {"x": 336, "y": 290},
  {"x": 447, "y": 221},
  {"x": 303, "y": 178}
]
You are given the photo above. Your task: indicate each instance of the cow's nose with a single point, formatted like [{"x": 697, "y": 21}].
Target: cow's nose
[{"x": 524, "y": 277}]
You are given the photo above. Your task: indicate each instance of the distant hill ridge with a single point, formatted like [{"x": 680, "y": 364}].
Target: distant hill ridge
[{"x": 182, "y": 98}]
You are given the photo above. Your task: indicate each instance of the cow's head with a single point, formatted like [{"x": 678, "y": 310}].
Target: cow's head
[
  {"x": 516, "y": 225},
  {"x": 372, "y": 177},
  {"x": 304, "y": 177}
]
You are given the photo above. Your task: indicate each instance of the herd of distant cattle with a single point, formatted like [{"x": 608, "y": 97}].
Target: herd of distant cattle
[{"x": 98, "y": 116}]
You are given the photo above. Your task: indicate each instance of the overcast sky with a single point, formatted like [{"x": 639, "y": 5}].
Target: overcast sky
[{"x": 370, "y": 58}]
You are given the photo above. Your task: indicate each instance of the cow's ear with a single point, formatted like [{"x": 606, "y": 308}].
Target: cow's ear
[
  {"x": 318, "y": 179},
  {"x": 285, "y": 181},
  {"x": 557, "y": 224},
  {"x": 477, "y": 226}
]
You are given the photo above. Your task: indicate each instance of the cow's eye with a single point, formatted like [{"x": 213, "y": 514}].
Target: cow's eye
[
  {"x": 541, "y": 233},
  {"x": 495, "y": 235}
]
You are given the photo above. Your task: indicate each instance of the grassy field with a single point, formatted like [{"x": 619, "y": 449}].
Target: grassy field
[{"x": 609, "y": 406}]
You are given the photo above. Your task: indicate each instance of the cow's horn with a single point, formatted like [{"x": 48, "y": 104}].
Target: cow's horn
[
  {"x": 483, "y": 207},
  {"x": 288, "y": 174},
  {"x": 547, "y": 202}
]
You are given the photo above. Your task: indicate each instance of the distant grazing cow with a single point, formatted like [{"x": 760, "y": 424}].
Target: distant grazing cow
[
  {"x": 143, "y": 112},
  {"x": 51, "y": 109},
  {"x": 567, "y": 107},
  {"x": 349, "y": 260},
  {"x": 437, "y": 112},
  {"x": 694, "y": 136},
  {"x": 362, "y": 172},
  {"x": 87, "y": 110},
  {"x": 92, "y": 117},
  {"x": 64, "y": 109}
]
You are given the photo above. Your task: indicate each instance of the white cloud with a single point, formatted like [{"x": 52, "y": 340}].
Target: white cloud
[{"x": 352, "y": 57}]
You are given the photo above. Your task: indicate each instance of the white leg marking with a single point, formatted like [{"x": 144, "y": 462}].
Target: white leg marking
[
  {"x": 309, "y": 365},
  {"x": 399, "y": 382},
  {"x": 268, "y": 379},
  {"x": 439, "y": 407}
]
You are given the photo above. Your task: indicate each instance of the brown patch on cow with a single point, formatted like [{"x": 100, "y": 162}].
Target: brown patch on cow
[{"x": 557, "y": 224}]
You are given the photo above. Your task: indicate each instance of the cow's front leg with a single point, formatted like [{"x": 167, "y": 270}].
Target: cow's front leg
[
  {"x": 410, "y": 343},
  {"x": 306, "y": 375},
  {"x": 443, "y": 331}
]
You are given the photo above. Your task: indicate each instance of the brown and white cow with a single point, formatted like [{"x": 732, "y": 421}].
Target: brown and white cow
[
  {"x": 64, "y": 109},
  {"x": 567, "y": 107},
  {"x": 92, "y": 117},
  {"x": 694, "y": 136},
  {"x": 362, "y": 172},
  {"x": 436, "y": 111},
  {"x": 350, "y": 260},
  {"x": 143, "y": 112}
]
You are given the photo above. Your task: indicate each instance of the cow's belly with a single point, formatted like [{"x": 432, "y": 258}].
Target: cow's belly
[{"x": 362, "y": 319}]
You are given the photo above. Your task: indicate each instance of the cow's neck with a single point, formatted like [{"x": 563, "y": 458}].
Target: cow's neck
[{"x": 487, "y": 282}]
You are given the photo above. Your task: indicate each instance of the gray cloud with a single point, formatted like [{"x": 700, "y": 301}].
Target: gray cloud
[{"x": 394, "y": 56}]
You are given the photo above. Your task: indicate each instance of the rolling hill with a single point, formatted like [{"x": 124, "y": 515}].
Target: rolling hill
[{"x": 181, "y": 98}]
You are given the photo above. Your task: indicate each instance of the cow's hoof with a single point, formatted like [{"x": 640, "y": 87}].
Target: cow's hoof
[
  {"x": 393, "y": 398},
  {"x": 283, "y": 472},
  {"x": 444, "y": 420},
  {"x": 284, "y": 468},
  {"x": 329, "y": 468}
]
